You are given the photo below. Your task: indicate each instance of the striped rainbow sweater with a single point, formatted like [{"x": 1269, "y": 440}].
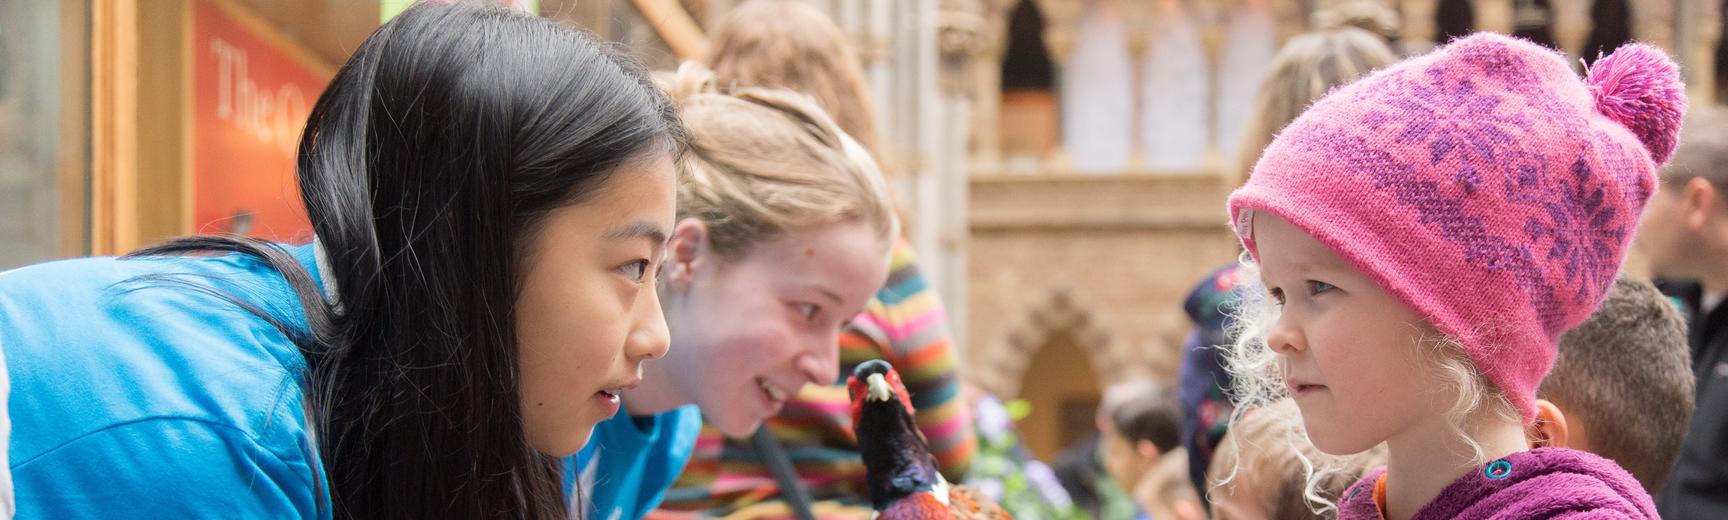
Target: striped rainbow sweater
[{"x": 905, "y": 325}]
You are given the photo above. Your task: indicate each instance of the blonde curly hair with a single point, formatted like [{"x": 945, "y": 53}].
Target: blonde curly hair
[{"x": 1259, "y": 383}]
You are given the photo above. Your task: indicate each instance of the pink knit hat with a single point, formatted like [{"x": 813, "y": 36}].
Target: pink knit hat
[{"x": 1484, "y": 185}]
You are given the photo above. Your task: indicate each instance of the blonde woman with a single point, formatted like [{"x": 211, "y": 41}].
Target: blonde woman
[
  {"x": 791, "y": 45},
  {"x": 1307, "y": 67},
  {"x": 782, "y": 235}
]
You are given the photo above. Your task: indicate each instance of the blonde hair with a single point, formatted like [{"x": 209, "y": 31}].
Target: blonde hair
[
  {"x": 1166, "y": 485},
  {"x": 790, "y": 45},
  {"x": 763, "y": 162},
  {"x": 1371, "y": 15},
  {"x": 1259, "y": 383},
  {"x": 1267, "y": 446},
  {"x": 1306, "y": 68}
]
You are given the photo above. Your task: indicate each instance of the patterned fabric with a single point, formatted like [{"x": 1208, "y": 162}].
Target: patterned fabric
[
  {"x": 906, "y": 326},
  {"x": 1536, "y": 484},
  {"x": 1482, "y": 185},
  {"x": 1202, "y": 380}
]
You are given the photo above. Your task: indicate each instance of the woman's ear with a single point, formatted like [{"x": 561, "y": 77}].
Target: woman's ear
[
  {"x": 1550, "y": 430},
  {"x": 689, "y": 251}
]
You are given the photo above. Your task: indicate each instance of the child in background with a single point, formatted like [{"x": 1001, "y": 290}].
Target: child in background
[
  {"x": 1258, "y": 473},
  {"x": 1622, "y": 386},
  {"x": 1140, "y": 429},
  {"x": 1426, "y": 234},
  {"x": 1165, "y": 492}
]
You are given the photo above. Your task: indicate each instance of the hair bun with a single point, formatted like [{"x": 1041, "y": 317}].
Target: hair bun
[
  {"x": 691, "y": 79},
  {"x": 1639, "y": 86}
]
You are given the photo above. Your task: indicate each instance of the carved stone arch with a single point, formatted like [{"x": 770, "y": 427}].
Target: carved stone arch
[{"x": 1059, "y": 311}]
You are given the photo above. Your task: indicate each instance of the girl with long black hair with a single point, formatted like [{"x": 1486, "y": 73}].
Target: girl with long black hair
[{"x": 491, "y": 195}]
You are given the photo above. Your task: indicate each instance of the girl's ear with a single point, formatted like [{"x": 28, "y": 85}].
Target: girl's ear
[
  {"x": 690, "y": 250},
  {"x": 1550, "y": 429}
]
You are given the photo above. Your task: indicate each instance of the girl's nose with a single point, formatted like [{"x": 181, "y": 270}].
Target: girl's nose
[
  {"x": 649, "y": 337},
  {"x": 1285, "y": 337}
]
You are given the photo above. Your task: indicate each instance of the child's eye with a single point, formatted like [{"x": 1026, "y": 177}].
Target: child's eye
[
  {"x": 1317, "y": 287},
  {"x": 1277, "y": 295},
  {"x": 637, "y": 271}
]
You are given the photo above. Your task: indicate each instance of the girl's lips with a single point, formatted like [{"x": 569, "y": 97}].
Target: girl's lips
[
  {"x": 608, "y": 401},
  {"x": 1299, "y": 388}
]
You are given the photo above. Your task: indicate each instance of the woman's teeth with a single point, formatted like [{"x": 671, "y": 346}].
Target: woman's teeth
[{"x": 773, "y": 393}]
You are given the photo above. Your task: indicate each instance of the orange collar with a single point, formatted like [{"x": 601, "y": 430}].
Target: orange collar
[{"x": 1380, "y": 496}]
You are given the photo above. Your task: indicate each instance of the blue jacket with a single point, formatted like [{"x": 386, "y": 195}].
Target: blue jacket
[
  {"x": 136, "y": 399},
  {"x": 630, "y": 462}
]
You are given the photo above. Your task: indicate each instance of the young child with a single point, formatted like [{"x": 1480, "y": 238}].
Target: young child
[
  {"x": 1622, "y": 386},
  {"x": 1257, "y": 471},
  {"x": 1426, "y": 235},
  {"x": 1308, "y": 66},
  {"x": 1138, "y": 431}
]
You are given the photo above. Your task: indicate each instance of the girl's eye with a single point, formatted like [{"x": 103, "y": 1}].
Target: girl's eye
[
  {"x": 1317, "y": 287},
  {"x": 1277, "y": 296},
  {"x": 807, "y": 310},
  {"x": 637, "y": 271}
]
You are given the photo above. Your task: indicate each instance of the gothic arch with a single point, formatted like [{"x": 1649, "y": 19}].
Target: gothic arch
[{"x": 1059, "y": 311}]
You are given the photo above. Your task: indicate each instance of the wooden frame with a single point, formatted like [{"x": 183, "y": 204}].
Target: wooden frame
[
  {"x": 113, "y": 128},
  {"x": 140, "y": 121}
]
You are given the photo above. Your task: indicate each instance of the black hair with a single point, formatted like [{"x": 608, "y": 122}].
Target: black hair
[{"x": 426, "y": 167}]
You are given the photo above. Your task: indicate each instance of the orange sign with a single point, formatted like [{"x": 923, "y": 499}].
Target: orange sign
[{"x": 250, "y": 102}]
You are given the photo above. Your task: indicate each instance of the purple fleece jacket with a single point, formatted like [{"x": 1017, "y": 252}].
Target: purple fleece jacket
[{"x": 1540, "y": 483}]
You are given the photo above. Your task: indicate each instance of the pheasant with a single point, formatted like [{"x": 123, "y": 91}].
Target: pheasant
[{"x": 899, "y": 469}]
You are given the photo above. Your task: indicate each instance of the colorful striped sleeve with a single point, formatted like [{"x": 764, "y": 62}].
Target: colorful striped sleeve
[{"x": 906, "y": 325}]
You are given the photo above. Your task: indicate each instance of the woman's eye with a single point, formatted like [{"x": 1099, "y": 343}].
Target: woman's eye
[
  {"x": 807, "y": 310},
  {"x": 1317, "y": 287}
]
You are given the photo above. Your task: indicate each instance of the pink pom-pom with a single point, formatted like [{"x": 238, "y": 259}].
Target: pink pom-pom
[{"x": 1639, "y": 86}]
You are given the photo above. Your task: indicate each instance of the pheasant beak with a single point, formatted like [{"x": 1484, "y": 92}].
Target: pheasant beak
[{"x": 880, "y": 390}]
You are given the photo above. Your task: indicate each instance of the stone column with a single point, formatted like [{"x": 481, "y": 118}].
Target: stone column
[
  {"x": 1420, "y": 27},
  {"x": 983, "y": 78},
  {"x": 1652, "y": 22},
  {"x": 1138, "y": 14},
  {"x": 1569, "y": 22},
  {"x": 1493, "y": 15},
  {"x": 1698, "y": 29},
  {"x": 1060, "y": 19}
]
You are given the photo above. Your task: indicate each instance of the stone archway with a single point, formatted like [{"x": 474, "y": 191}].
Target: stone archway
[
  {"x": 1058, "y": 359},
  {"x": 1003, "y": 365}
]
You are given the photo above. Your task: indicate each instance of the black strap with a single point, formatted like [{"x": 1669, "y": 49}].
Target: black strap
[{"x": 791, "y": 490}]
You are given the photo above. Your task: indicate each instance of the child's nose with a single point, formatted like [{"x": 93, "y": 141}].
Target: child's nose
[
  {"x": 1285, "y": 338},
  {"x": 649, "y": 338}
]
